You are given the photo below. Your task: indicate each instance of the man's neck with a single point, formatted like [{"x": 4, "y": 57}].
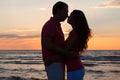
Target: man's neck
[{"x": 57, "y": 19}]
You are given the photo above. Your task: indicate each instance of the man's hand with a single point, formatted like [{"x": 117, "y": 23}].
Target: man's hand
[{"x": 52, "y": 59}]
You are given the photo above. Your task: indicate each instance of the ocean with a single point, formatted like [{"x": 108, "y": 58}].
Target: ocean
[{"x": 28, "y": 65}]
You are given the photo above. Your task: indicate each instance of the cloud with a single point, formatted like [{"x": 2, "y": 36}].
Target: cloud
[
  {"x": 18, "y": 36},
  {"x": 110, "y": 4}
]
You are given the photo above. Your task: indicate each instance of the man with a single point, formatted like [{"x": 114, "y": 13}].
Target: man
[{"x": 53, "y": 42}]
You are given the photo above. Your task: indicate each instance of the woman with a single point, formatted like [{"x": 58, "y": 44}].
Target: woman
[{"x": 77, "y": 42}]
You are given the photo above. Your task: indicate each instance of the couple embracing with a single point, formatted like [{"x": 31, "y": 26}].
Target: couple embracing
[{"x": 58, "y": 52}]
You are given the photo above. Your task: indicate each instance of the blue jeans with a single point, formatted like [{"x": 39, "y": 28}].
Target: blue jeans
[
  {"x": 55, "y": 71},
  {"x": 76, "y": 75}
]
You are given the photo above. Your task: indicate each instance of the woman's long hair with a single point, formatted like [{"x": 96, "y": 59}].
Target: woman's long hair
[{"x": 82, "y": 28}]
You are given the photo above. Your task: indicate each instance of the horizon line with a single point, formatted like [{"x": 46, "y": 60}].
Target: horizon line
[{"x": 41, "y": 50}]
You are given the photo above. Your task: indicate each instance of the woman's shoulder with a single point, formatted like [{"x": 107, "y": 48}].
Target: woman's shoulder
[{"x": 73, "y": 36}]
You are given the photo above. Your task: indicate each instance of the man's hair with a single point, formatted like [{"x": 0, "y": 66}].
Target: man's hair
[{"x": 58, "y": 6}]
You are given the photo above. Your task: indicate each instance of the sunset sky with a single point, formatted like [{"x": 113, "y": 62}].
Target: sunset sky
[{"x": 21, "y": 22}]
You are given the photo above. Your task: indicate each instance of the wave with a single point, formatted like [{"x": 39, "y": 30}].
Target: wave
[
  {"x": 22, "y": 62},
  {"x": 19, "y": 78},
  {"x": 101, "y": 58},
  {"x": 96, "y": 71}
]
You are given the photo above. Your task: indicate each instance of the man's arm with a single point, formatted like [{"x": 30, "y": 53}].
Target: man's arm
[{"x": 49, "y": 45}]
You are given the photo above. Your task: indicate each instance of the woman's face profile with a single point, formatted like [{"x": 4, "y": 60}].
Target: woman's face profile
[{"x": 70, "y": 19}]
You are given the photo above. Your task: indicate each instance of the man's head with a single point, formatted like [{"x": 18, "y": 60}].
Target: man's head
[{"x": 60, "y": 10}]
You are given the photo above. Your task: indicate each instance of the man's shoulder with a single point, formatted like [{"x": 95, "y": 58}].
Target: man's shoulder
[
  {"x": 48, "y": 23},
  {"x": 48, "y": 27}
]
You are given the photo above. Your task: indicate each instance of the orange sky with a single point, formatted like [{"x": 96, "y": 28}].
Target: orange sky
[
  {"x": 104, "y": 43},
  {"x": 20, "y": 44},
  {"x": 34, "y": 44}
]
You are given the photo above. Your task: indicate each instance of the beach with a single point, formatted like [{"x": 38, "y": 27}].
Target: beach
[{"x": 28, "y": 65}]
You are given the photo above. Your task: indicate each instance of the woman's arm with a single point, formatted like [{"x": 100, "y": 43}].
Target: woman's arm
[
  {"x": 70, "y": 42},
  {"x": 70, "y": 45}
]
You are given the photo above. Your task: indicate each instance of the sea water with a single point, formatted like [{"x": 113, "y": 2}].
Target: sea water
[{"x": 28, "y": 65}]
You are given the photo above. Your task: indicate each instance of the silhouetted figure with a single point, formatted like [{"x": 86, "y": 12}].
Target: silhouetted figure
[
  {"x": 53, "y": 42},
  {"x": 77, "y": 41}
]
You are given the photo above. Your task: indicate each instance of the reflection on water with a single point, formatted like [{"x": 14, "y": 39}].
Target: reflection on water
[{"x": 100, "y": 65}]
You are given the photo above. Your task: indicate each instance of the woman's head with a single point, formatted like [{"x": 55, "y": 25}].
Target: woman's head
[
  {"x": 77, "y": 18},
  {"x": 79, "y": 23}
]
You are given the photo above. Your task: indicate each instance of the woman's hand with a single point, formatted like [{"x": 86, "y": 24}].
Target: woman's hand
[{"x": 71, "y": 55}]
